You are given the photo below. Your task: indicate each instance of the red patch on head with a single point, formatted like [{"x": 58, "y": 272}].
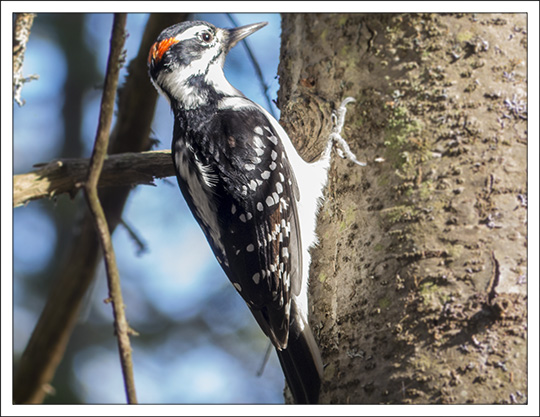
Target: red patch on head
[{"x": 159, "y": 48}]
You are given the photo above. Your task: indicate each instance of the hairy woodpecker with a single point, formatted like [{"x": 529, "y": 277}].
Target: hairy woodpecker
[{"x": 254, "y": 197}]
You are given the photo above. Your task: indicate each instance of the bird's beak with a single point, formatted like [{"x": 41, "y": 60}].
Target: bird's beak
[{"x": 237, "y": 34}]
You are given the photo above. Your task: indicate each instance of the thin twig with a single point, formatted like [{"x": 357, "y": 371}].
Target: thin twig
[
  {"x": 96, "y": 165},
  {"x": 142, "y": 247},
  {"x": 265, "y": 359},
  {"x": 23, "y": 24},
  {"x": 257, "y": 69}
]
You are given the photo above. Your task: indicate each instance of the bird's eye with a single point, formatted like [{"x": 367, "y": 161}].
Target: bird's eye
[{"x": 207, "y": 37}]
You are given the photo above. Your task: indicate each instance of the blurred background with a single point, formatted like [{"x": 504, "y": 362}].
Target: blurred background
[{"x": 198, "y": 342}]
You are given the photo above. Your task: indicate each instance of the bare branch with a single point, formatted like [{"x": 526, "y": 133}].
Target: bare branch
[
  {"x": 23, "y": 24},
  {"x": 67, "y": 175},
  {"x": 91, "y": 192}
]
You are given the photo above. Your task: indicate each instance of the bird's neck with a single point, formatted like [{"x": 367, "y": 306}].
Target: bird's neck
[{"x": 190, "y": 91}]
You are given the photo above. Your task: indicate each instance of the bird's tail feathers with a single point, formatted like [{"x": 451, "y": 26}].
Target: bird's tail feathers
[{"x": 301, "y": 362}]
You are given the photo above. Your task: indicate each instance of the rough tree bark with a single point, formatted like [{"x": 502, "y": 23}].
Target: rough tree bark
[{"x": 418, "y": 287}]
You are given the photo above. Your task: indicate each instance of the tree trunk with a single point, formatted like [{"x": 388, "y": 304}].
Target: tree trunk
[{"x": 418, "y": 287}]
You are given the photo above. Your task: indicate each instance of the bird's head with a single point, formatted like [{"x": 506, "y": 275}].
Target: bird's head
[{"x": 186, "y": 61}]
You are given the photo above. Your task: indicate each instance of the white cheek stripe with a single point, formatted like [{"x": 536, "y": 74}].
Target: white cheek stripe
[{"x": 190, "y": 33}]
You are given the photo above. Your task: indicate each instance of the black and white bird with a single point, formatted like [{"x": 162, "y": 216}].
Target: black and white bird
[{"x": 254, "y": 197}]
